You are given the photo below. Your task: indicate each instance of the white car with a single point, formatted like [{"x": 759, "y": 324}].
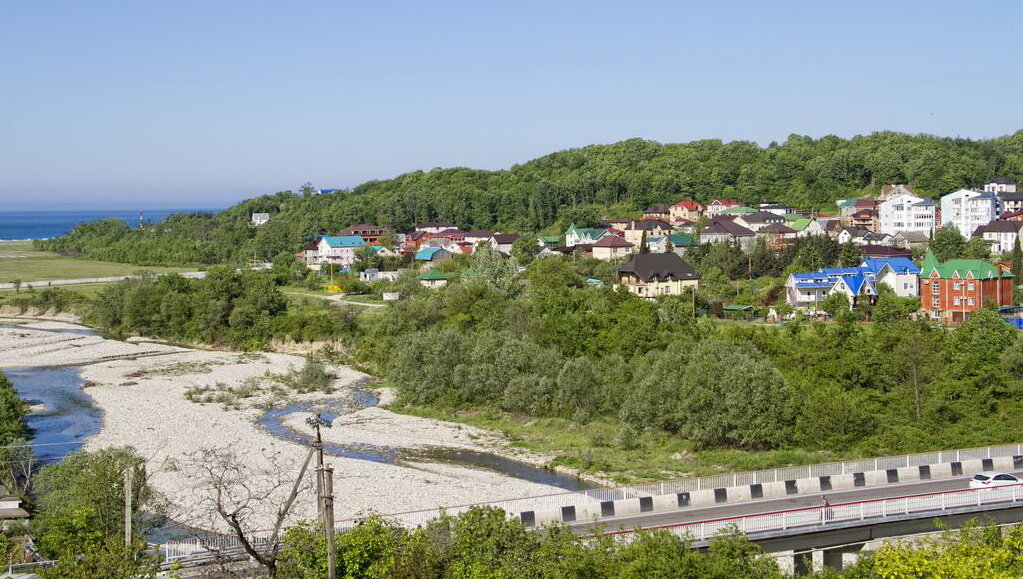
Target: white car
[{"x": 989, "y": 479}]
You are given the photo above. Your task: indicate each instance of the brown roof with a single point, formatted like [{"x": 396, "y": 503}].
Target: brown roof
[
  {"x": 864, "y": 213},
  {"x": 777, "y": 228},
  {"x": 612, "y": 241},
  {"x": 648, "y": 224},
  {"x": 725, "y": 226},
  {"x": 660, "y": 266},
  {"x": 506, "y": 237},
  {"x": 998, "y": 226},
  {"x": 884, "y": 251},
  {"x": 762, "y": 217},
  {"x": 656, "y": 209}
]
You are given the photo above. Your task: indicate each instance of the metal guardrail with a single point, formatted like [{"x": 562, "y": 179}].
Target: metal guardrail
[
  {"x": 822, "y": 516},
  {"x": 184, "y": 548}
]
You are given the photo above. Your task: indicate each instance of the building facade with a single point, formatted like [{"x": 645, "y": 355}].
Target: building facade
[
  {"x": 907, "y": 212},
  {"x": 967, "y": 210},
  {"x": 950, "y": 291}
]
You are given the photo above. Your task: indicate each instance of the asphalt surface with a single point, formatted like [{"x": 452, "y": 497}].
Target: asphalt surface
[{"x": 752, "y": 507}]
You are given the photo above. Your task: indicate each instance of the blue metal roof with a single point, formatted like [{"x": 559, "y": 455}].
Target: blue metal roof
[
  {"x": 345, "y": 241},
  {"x": 426, "y": 253},
  {"x": 897, "y": 264},
  {"x": 814, "y": 285}
]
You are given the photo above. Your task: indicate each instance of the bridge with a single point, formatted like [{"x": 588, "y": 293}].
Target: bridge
[{"x": 777, "y": 508}]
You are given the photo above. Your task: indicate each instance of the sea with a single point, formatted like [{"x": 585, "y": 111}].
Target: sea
[{"x": 46, "y": 224}]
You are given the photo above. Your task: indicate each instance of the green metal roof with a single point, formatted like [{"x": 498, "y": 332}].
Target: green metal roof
[
  {"x": 738, "y": 210},
  {"x": 978, "y": 268},
  {"x": 682, "y": 239},
  {"x": 738, "y": 307},
  {"x": 799, "y": 224},
  {"x": 433, "y": 274}
]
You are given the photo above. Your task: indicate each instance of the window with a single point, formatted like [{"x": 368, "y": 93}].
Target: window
[
  {"x": 970, "y": 301},
  {"x": 957, "y": 285},
  {"x": 1007, "y": 477},
  {"x": 955, "y": 301}
]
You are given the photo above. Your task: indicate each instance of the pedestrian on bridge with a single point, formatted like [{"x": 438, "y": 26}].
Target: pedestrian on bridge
[{"x": 826, "y": 513}]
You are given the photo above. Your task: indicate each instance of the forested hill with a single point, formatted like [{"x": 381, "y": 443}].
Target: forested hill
[{"x": 573, "y": 185}]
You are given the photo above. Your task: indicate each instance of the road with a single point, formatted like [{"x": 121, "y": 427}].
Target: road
[
  {"x": 687, "y": 515},
  {"x": 84, "y": 280}
]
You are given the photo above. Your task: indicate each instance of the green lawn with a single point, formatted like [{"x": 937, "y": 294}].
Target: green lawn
[
  {"x": 18, "y": 260},
  {"x": 595, "y": 447}
]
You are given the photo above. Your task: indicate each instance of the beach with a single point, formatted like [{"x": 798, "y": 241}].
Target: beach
[{"x": 143, "y": 390}]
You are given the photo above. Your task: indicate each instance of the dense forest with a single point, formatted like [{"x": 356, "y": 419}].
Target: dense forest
[{"x": 576, "y": 185}]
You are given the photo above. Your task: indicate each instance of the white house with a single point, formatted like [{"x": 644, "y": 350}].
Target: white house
[
  {"x": 967, "y": 210},
  {"x": 503, "y": 242},
  {"x": 339, "y": 250},
  {"x": 898, "y": 273},
  {"x": 258, "y": 219},
  {"x": 852, "y": 235},
  {"x": 583, "y": 235},
  {"x": 907, "y": 212},
  {"x": 1001, "y": 185},
  {"x": 1000, "y": 235}
]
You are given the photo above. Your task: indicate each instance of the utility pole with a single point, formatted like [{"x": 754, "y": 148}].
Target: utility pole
[
  {"x": 318, "y": 445},
  {"x": 127, "y": 507},
  {"x": 327, "y": 476}
]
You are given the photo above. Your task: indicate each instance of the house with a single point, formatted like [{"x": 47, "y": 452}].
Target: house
[
  {"x": 683, "y": 225},
  {"x": 652, "y": 275},
  {"x": 885, "y": 239},
  {"x": 681, "y": 242},
  {"x": 950, "y": 291},
  {"x": 865, "y": 219},
  {"x": 807, "y": 290},
  {"x": 808, "y": 227},
  {"x": 658, "y": 244},
  {"x": 550, "y": 240},
  {"x": 1001, "y": 185},
  {"x": 686, "y": 210},
  {"x": 413, "y": 241},
  {"x": 657, "y": 212},
  {"x": 502, "y": 242},
  {"x": 372, "y": 234},
  {"x": 757, "y": 220},
  {"x": 477, "y": 235},
  {"x": 310, "y": 254},
  {"x": 892, "y": 191},
  {"x": 777, "y": 208},
  {"x": 1001, "y": 235},
  {"x": 636, "y": 229},
  {"x": 1011, "y": 201},
  {"x": 339, "y": 250},
  {"x": 433, "y": 254},
  {"x": 910, "y": 239},
  {"x": 257, "y": 219},
  {"x": 612, "y": 247},
  {"x": 1012, "y": 216},
  {"x": 433, "y": 279},
  {"x": 451, "y": 233},
  {"x": 907, "y": 212},
  {"x": 384, "y": 251},
  {"x": 583, "y": 235},
  {"x": 375, "y": 275},
  {"x": 716, "y": 206},
  {"x": 967, "y": 210},
  {"x": 726, "y": 231},
  {"x": 898, "y": 273},
  {"x": 777, "y": 235},
  {"x": 846, "y": 207},
  {"x": 853, "y": 235},
  {"x": 736, "y": 211},
  {"x": 434, "y": 226},
  {"x": 832, "y": 227}
]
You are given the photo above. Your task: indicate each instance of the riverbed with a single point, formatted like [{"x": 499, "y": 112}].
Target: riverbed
[{"x": 386, "y": 462}]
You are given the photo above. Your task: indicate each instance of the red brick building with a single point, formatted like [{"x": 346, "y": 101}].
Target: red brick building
[{"x": 950, "y": 291}]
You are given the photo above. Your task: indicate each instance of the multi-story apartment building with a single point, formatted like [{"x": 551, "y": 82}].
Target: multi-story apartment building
[
  {"x": 967, "y": 210},
  {"x": 907, "y": 212}
]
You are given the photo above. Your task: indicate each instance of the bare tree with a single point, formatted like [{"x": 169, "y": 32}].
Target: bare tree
[{"x": 246, "y": 497}]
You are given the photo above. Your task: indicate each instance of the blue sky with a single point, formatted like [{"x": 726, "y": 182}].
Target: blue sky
[{"x": 128, "y": 104}]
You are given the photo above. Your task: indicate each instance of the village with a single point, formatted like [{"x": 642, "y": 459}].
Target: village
[{"x": 891, "y": 234}]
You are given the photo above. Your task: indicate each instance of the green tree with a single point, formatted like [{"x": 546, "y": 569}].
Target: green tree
[
  {"x": 110, "y": 559},
  {"x": 1017, "y": 271},
  {"x": 81, "y": 500},
  {"x": 836, "y": 304},
  {"x": 948, "y": 243}
]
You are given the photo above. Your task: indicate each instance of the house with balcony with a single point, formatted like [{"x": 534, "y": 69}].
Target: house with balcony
[
  {"x": 339, "y": 249},
  {"x": 686, "y": 210},
  {"x": 967, "y": 210},
  {"x": 371, "y": 234},
  {"x": 950, "y": 291},
  {"x": 907, "y": 212},
  {"x": 716, "y": 206},
  {"x": 637, "y": 228},
  {"x": 1001, "y": 235},
  {"x": 808, "y": 290},
  {"x": 653, "y": 275},
  {"x": 612, "y": 247},
  {"x": 898, "y": 273}
]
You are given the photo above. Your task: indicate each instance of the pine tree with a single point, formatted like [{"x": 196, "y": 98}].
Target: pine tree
[{"x": 1017, "y": 269}]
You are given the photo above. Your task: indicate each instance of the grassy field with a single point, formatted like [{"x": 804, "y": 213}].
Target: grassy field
[
  {"x": 595, "y": 447},
  {"x": 19, "y": 260}
]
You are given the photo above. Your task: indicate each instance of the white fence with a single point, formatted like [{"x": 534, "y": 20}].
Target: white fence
[{"x": 844, "y": 512}]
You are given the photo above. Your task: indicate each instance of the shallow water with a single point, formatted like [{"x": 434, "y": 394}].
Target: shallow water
[
  {"x": 272, "y": 422},
  {"x": 69, "y": 416}
]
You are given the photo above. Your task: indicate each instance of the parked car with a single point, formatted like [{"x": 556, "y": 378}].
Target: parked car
[{"x": 989, "y": 479}]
